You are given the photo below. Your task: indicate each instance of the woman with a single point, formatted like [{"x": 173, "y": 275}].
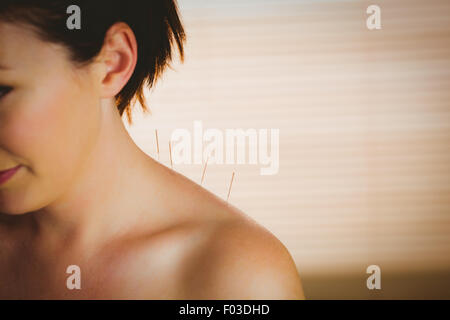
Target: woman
[{"x": 75, "y": 190}]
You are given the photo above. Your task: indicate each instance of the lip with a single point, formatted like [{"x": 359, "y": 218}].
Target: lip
[{"x": 5, "y": 175}]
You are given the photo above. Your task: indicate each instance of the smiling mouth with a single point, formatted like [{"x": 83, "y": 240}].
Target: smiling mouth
[
  {"x": 6, "y": 170},
  {"x": 7, "y": 174}
]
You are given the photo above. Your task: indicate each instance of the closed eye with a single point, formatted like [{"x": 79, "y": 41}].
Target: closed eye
[{"x": 4, "y": 91}]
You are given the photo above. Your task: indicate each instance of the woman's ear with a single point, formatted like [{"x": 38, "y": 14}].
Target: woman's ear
[{"x": 119, "y": 56}]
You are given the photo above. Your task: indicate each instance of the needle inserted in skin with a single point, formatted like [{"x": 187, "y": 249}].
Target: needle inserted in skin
[
  {"x": 170, "y": 152},
  {"x": 157, "y": 142},
  {"x": 204, "y": 170},
  {"x": 231, "y": 183}
]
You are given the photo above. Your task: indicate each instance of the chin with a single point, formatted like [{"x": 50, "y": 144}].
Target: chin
[
  {"x": 10, "y": 205},
  {"x": 5, "y": 210}
]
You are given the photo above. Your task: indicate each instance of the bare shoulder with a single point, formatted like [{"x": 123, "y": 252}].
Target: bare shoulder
[
  {"x": 224, "y": 258},
  {"x": 211, "y": 250},
  {"x": 242, "y": 260}
]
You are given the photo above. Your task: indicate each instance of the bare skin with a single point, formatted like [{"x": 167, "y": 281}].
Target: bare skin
[{"x": 88, "y": 196}]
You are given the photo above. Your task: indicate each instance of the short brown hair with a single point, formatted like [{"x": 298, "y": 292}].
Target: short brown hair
[{"x": 155, "y": 23}]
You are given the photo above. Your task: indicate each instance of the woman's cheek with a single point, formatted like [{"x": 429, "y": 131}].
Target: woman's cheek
[{"x": 40, "y": 134}]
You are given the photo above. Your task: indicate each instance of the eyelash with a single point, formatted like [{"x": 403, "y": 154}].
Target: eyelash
[{"x": 4, "y": 91}]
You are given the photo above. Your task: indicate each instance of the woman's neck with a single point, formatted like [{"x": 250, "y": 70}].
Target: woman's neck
[{"x": 100, "y": 202}]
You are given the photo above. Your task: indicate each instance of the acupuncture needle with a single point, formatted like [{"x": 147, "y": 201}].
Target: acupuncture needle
[
  {"x": 231, "y": 184},
  {"x": 170, "y": 152},
  {"x": 204, "y": 170},
  {"x": 157, "y": 142}
]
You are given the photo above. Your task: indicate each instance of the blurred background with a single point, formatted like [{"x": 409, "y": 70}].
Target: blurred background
[{"x": 364, "y": 119}]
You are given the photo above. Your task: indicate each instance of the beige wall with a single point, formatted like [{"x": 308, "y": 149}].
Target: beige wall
[{"x": 364, "y": 119}]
